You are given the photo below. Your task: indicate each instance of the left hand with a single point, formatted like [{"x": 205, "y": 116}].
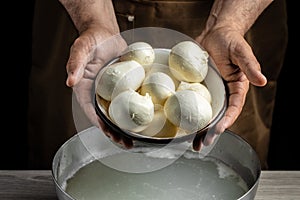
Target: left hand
[{"x": 238, "y": 66}]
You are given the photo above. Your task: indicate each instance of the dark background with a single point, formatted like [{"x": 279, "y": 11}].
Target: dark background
[
  {"x": 16, "y": 26},
  {"x": 285, "y": 147}
]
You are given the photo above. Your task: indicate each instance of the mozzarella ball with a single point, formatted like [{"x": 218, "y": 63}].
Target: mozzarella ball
[
  {"x": 119, "y": 77},
  {"x": 197, "y": 87},
  {"x": 188, "y": 62},
  {"x": 188, "y": 110},
  {"x": 141, "y": 52},
  {"x": 159, "y": 86},
  {"x": 158, "y": 67},
  {"x": 131, "y": 111},
  {"x": 160, "y": 126}
]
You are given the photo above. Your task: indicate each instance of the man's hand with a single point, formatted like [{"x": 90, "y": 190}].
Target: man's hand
[
  {"x": 90, "y": 51},
  {"x": 238, "y": 66}
]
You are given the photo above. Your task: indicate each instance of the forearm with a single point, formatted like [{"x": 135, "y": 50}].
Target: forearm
[
  {"x": 236, "y": 14},
  {"x": 90, "y": 13}
]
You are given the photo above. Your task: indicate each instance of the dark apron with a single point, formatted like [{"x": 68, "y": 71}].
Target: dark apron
[{"x": 50, "y": 109}]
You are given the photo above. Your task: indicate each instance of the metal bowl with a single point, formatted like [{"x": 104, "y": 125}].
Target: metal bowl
[
  {"x": 213, "y": 82},
  {"x": 91, "y": 144}
]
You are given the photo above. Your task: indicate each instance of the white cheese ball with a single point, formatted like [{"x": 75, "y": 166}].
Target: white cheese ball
[
  {"x": 131, "y": 111},
  {"x": 159, "y": 86},
  {"x": 141, "y": 52},
  {"x": 188, "y": 110},
  {"x": 197, "y": 87},
  {"x": 160, "y": 126},
  {"x": 188, "y": 62},
  {"x": 118, "y": 77},
  {"x": 158, "y": 67}
]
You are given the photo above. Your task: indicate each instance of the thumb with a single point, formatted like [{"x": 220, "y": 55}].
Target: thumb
[
  {"x": 80, "y": 52},
  {"x": 74, "y": 76}
]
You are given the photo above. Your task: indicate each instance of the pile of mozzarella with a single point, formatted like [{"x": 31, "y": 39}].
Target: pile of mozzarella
[{"x": 155, "y": 99}]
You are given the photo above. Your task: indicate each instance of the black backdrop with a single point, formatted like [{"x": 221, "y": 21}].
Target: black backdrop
[
  {"x": 284, "y": 145},
  {"x": 16, "y": 61}
]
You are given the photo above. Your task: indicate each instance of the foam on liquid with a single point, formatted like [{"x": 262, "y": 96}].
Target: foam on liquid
[{"x": 186, "y": 178}]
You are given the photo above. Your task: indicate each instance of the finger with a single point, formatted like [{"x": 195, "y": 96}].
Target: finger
[
  {"x": 237, "y": 91},
  {"x": 209, "y": 138},
  {"x": 242, "y": 56},
  {"x": 110, "y": 133},
  {"x": 197, "y": 142},
  {"x": 116, "y": 137},
  {"x": 77, "y": 61},
  {"x": 127, "y": 142}
]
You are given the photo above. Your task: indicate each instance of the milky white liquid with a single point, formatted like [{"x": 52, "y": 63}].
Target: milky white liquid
[{"x": 187, "y": 178}]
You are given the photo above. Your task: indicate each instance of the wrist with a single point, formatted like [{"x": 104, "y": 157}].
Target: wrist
[
  {"x": 238, "y": 15},
  {"x": 87, "y": 14}
]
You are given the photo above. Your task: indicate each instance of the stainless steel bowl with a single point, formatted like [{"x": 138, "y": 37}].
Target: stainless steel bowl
[{"x": 91, "y": 144}]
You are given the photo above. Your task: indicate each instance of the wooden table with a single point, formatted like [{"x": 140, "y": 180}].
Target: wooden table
[{"x": 38, "y": 185}]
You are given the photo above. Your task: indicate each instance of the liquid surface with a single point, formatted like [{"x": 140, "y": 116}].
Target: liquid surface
[{"x": 187, "y": 178}]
